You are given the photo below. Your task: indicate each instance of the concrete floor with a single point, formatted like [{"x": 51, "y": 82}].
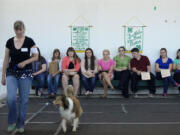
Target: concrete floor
[{"x": 141, "y": 116}]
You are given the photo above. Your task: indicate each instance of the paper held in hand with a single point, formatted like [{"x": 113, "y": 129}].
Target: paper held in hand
[
  {"x": 145, "y": 76},
  {"x": 165, "y": 73},
  {"x": 178, "y": 66}
]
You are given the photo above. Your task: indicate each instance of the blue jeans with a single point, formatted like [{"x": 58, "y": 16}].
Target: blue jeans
[
  {"x": 53, "y": 83},
  {"x": 89, "y": 83},
  {"x": 166, "y": 81},
  {"x": 17, "y": 110},
  {"x": 41, "y": 80}
]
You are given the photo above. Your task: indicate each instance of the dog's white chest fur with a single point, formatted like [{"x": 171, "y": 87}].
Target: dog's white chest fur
[{"x": 68, "y": 114}]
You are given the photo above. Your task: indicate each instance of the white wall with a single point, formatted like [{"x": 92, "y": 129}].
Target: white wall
[
  {"x": 47, "y": 23},
  {"x": 2, "y": 88}
]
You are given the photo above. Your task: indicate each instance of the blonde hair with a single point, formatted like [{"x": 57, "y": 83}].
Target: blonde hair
[
  {"x": 106, "y": 50},
  {"x": 19, "y": 25}
]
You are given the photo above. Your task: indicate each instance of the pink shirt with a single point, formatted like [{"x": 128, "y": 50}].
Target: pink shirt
[{"x": 106, "y": 65}]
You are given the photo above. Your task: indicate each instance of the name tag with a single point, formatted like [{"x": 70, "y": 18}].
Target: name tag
[{"x": 24, "y": 50}]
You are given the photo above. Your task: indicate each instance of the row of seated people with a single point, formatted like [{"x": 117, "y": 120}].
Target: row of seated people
[
  {"x": 121, "y": 67},
  {"x": 21, "y": 51}
]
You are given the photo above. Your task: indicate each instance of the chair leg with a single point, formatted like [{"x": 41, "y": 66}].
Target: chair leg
[{"x": 36, "y": 92}]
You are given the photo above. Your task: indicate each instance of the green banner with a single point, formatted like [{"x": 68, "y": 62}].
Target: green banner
[
  {"x": 80, "y": 37},
  {"x": 134, "y": 37}
]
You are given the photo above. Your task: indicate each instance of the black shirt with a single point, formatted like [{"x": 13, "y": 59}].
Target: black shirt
[
  {"x": 71, "y": 65},
  {"x": 19, "y": 55}
]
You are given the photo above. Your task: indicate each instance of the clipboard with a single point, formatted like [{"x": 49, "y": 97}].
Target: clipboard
[
  {"x": 145, "y": 76},
  {"x": 165, "y": 73}
]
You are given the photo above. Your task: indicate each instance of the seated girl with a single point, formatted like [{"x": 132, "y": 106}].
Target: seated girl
[
  {"x": 70, "y": 68},
  {"x": 176, "y": 67},
  {"x": 89, "y": 71},
  {"x": 164, "y": 63},
  {"x": 105, "y": 68},
  {"x": 54, "y": 71},
  {"x": 39, "y": 72}
]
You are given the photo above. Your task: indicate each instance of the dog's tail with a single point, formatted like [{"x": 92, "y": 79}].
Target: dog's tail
[{"x": 70, "y": 91}]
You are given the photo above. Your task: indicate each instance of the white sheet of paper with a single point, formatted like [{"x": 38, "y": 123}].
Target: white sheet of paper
[
  {"x": 145, "y": 76},
  {"x": 178, "y": 66},
  {"x": 165, "y": 73}
]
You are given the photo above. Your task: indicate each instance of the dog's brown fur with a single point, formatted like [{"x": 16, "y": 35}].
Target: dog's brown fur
[
  {"x": 77, "y": 109},
  {"x": 77, "y": 106}
]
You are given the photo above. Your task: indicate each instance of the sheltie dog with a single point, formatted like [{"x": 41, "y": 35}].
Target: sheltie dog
[{"x": 69, "y": 108}]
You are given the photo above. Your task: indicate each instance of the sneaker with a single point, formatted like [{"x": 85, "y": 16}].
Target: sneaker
[
  {"x": 165, "y": 95},
  {"x": 176, "y": 84},
  {"x": 11, "y": 128},
  {"x": 52, "y": 96},
  {"x": 41, "y": 93},
  {"x": 20, "y": 130},
  {"x": 103, "y": 96},
  {"x": 125, "y": 95},
  {"x": 90, "y": 93},
  {"x": 87, "y": 93},
  {"x": 112, "y": 88},
  {"x": 135, "y": 95},
  {"x": 151, "y": 95}
]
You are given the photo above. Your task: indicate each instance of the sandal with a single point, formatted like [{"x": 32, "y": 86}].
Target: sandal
[{"x": 103, "y": 96}]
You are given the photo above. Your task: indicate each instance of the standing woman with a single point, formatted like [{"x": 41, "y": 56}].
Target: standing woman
[
  {"x": 105, "y": 68},
  {"x": 54, "y": 73},
  {"x": 89, "y": 71},
  {"x": 70, "y": 67},
  {"x": 17, "y": 74},
  {"x": 122, "y": 72},
  {"x": 164, "y": 63},
  {"x": 39, "y": 71},
  {"x": 176, "y": 67}
]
